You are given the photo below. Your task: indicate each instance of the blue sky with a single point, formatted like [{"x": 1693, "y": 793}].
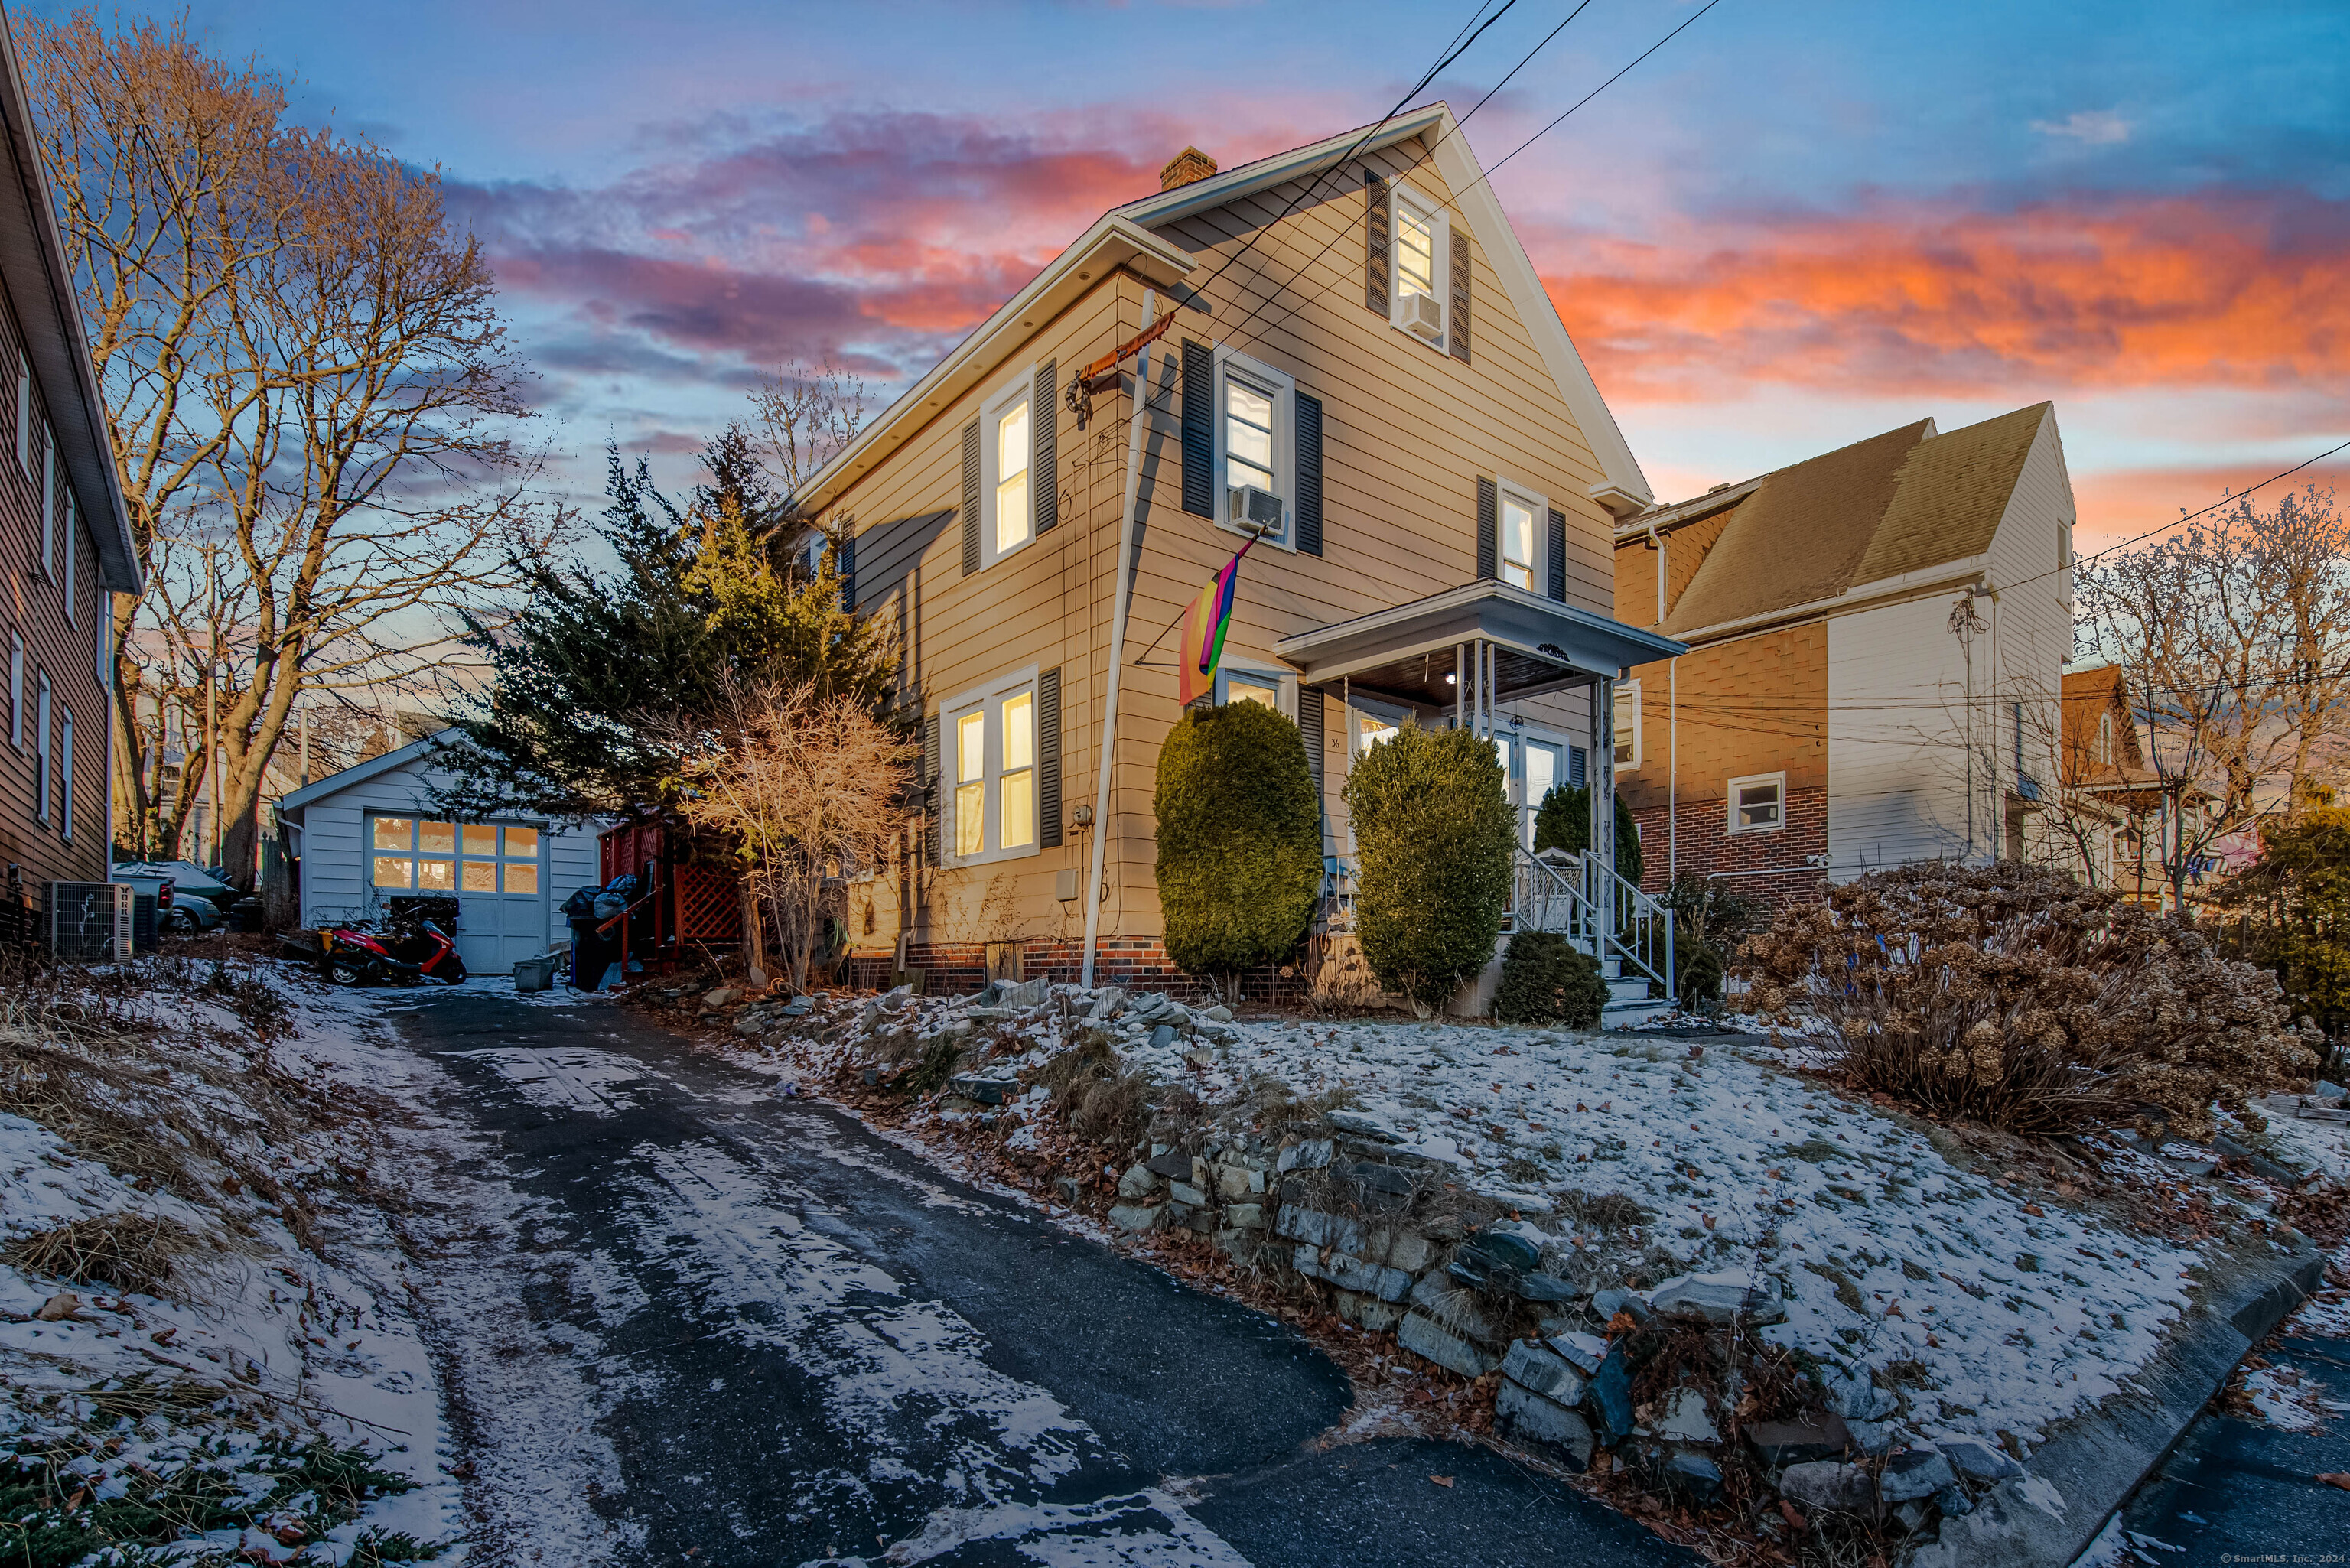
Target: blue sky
[{"x": 1793, "y": 226}]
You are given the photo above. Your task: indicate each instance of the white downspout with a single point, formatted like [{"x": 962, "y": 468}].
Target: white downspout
[
  {"x": 1104, "y": 762},
  {"x": 1672, "y": 726}
]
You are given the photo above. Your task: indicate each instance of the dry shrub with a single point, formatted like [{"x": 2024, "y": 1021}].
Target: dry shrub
[
  {"x": 1344, "y": 983},
  {"x": 2012, "y": 995},
  {"x": 1104, "y": 1103},
  {"x": 132, "y": 1253}
]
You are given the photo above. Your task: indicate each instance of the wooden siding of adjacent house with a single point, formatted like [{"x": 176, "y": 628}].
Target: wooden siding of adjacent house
[
  {"x": 1407, "y": 431},
  {"x": 62, "y": 645}
]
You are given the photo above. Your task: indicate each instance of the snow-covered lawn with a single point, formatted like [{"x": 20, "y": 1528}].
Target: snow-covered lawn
[
  {"x": 1996, "y": 1301},
  {"x": 254, "y": 1348}
]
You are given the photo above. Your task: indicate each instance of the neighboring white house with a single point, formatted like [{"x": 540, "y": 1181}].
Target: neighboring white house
[{"x": 367, "y": 833}]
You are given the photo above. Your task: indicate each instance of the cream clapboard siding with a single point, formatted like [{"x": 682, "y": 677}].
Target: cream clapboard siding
[
  {"x": 336, "y": 856},
  {"x": 1406, "y": 431},
  {"x": 1899, "y": 704}
]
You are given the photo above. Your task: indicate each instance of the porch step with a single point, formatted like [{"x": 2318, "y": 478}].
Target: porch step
[
  {"x": 1621, "y": 990},
  {"x": 1630, "y": 1015}
]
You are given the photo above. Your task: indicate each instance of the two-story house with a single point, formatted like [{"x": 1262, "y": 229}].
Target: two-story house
[
  {"x": 1353, "y": 349},
  {"x": 1876, "y": 642},
  {"x": 65, "y": 540}
]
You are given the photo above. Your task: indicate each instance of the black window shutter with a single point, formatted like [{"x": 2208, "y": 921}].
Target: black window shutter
[
  {"x": 1558, "y": 554},
  {"x": 1199, "y": 430},
  {"x": 1309, "y": 725},
  {"x": 1489, "y": 529},
  {"x": 931, "y": 788},
  {"x": 1456, "y": 325},
  {"x": 970, "y": 499},
  {"x": 1048, "y": 758},
  {"x": 1578, "y": 769},
  {"x": 1044, "y": 442},
  {"x": 847, "y": 552},
  {"x": 1309, "y": 476},
  {"x": 1375, "y": 241}
]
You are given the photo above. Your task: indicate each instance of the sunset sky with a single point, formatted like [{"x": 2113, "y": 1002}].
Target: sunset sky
[{"x": 1795, "y": 225}]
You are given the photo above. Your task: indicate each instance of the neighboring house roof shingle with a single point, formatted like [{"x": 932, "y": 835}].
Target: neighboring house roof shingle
[{"x": 1901, "y": 502}]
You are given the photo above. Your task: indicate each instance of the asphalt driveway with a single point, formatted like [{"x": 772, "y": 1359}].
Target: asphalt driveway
[{"x": 800, "y": 1343}]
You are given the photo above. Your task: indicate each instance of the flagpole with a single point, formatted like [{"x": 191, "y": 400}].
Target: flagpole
[{"x": 1103, "y": 761}]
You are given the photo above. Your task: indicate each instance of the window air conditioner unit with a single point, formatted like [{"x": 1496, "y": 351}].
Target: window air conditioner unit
[
  {"x": 90, "y": 922},
  {"x": 1258, "y": 509},
  {"x": 1424, "y": 314}
]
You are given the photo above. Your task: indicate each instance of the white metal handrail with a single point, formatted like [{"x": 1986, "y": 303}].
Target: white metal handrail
[
  {"x": 1641, "y": 934},
  {"x": 1549, "y": 896}
]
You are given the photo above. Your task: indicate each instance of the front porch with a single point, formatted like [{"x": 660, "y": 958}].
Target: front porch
[{"x": 1479, "y": 656}]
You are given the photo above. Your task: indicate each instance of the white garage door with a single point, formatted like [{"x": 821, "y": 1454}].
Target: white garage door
[{"x": 496, "y": 871}]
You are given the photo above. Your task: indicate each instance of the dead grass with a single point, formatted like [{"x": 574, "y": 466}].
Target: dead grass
[{"x": 136, "y": 1253}]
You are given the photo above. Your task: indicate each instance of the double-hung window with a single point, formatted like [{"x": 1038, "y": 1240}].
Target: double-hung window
[
  {"x": 1758, "y": 803},
  {"x": 991, "y": 740},
  {"x": 50, "y": 504},
  {"x": 65, "y": 772},
  {"x": 16, "y": 690},
  {"x": 1523, "y": 543},
  {"x": 1421, "y": 249},
  {"x": 1256, "y": 443},
  {"x": 1007, "y": 440},
  {"x": 1628, "y": 726},
  {"x": 1237, "y": 685},
  {"x": 72, "y": 531}
]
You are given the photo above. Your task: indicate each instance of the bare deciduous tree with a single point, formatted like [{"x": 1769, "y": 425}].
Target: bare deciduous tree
[
  {"x": 812, "y": 788},
  {"x": 2233, "y": 639},
  {"x": 806, "y": 413},
  {"x": 309, "y": 392}
]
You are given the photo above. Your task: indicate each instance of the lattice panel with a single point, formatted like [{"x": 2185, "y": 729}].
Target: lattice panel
[{"x": 709, "y": 906}]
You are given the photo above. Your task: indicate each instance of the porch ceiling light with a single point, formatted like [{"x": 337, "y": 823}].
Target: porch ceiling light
[{"x": 1450, "y": 680}]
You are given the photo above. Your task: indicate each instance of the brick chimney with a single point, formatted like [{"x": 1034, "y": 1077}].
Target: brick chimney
[{"x": 1185, "y": 167}]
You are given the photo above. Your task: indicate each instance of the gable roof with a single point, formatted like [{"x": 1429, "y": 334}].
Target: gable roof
[
  {"x": 1122, "y": 236},
  {"x": 360, "y": 773},
  {"x": 41, "y": 288},
  {"x": 1903, "y": 501}
]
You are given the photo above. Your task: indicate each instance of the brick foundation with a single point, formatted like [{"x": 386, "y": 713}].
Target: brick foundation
[
  {"x": 957, "y": 969},
  {"x": 1765, "y": 866}
]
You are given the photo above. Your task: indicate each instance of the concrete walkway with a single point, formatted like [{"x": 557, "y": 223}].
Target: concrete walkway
[{"x": 794, "y": 1342}]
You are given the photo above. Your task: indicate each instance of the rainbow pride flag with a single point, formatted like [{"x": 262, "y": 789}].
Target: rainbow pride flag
[{"x": 1204, "y": 625}]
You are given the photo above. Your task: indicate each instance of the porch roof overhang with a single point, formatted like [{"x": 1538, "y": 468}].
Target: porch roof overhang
[{"x": 1540, "y": 645}]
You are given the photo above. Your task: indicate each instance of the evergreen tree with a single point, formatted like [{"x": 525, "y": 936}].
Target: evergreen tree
[
  {"x": 1563, "y": 821},
  {"x": 601, "y": 657}
]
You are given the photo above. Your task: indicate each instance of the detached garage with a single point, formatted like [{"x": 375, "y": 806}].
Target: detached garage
[{"x": 366, "y": 835}]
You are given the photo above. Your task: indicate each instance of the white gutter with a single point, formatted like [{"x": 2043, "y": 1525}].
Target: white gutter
[
  {"x": 1106, "y": 759},
  {"x": 1852, "y": 598}
]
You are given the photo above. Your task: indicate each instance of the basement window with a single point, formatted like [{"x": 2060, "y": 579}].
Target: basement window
[{"x": 1759, "y": 803}]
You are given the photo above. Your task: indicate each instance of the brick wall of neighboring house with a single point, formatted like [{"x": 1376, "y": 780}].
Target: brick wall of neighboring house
[
  {"x": 1748, "y": 705},
  {"x": 1766, "y": 867}
]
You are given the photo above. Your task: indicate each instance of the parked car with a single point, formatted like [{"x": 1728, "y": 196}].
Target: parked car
[
  {"x": 189, "y": 914},
  {"x": 185, "y": 876}
]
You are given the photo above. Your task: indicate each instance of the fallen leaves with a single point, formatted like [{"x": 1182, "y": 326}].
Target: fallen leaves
[
  {"x": 2336, "y": 1477},
  {"x": 1441, "y": 1481}
]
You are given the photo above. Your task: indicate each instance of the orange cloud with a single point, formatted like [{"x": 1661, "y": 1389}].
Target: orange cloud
[
  {"x": 2238, "y": 290},
  {"x": 2122, "y": 504}
]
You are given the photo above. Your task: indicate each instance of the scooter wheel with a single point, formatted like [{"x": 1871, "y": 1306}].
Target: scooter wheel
[
  {"x": 344, "y": 972},
  {"x": 451, "y": 970}
]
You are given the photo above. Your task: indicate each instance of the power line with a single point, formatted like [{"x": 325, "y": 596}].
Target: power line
[
  {"x": 1452, "y": 54},
  {"x": 1525, "y": 60},
  {"x": 2189, "y": 517}
]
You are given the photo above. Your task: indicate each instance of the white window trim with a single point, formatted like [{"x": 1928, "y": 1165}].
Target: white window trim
[
  {"x": 1400, "y": 196},
  {"x": 1629, "y": 692},
  {"x": 1734, "y": 828},
  {"x": 1023, "y": 387},
  {"x": 72, "y": 527},
  {"x": 65, "y": 772},
  {"x": 48, "y": 502},
  {"x": 1284, "y": 444},
  {"x": 991, "y": 770},
  {"x": 1535, "y": 500},
  {"x": 1285, "y": 685},
  {"x": 16, "y": 692},
  {"x": 23, "y": 414}
]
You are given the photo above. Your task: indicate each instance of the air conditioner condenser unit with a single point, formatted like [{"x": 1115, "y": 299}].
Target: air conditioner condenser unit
[{"x": 90, "y": 922}]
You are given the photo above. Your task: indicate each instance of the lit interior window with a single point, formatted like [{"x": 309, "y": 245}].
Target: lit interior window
[
  {"x": 971, "y": 784},
  {"x": 1517, "y": 542},
  {"x": 1012, "y": 519},
  {"x": 1019, "y": 787}
]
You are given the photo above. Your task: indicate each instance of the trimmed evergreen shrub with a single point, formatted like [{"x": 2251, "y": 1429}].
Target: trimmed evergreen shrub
[
  {"x": 1563, "y": 821},
  {"x": 1545, "y": 981},
  {"x": 1240, "y": 838},
  {"x": 1436, "y": 833},
  {"x": 1701, "y": 976}
]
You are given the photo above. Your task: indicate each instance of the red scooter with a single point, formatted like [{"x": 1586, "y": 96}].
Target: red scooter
[{"x": 349, "y": 955}]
